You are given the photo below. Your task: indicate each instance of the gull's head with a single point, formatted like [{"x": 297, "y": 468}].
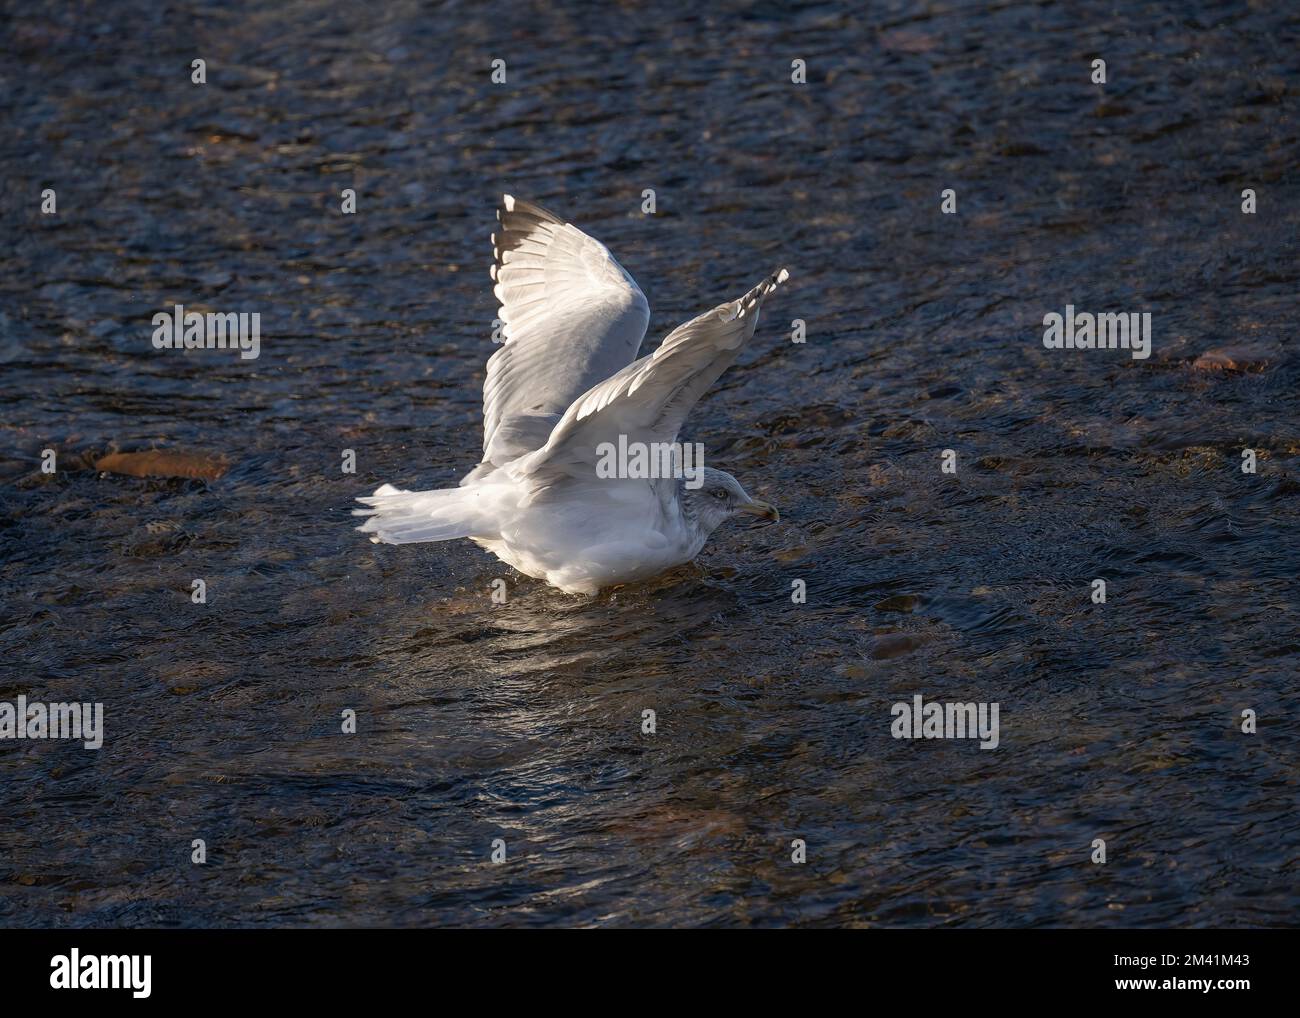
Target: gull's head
[{"x": 719, "y": 498}]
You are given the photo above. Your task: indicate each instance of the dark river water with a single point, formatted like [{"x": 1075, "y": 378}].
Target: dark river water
[{"x": 522, "y": 721}]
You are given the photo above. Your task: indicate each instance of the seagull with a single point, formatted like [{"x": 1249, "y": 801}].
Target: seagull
[{"x": 564, "y": 388}]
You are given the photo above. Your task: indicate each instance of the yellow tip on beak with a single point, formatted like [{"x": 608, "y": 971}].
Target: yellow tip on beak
[{"x": 764, "y": 509}]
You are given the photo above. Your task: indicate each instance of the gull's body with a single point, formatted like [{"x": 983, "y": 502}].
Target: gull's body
[{"x": 564, "y": 382}]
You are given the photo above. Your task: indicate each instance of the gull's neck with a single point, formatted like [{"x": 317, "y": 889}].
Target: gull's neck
[{"x": 695, "y": 534}]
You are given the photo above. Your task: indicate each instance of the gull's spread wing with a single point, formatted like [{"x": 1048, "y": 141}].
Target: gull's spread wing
[
  {"x": 648, "y": 400},
  {"x": 572, "y": 317}
]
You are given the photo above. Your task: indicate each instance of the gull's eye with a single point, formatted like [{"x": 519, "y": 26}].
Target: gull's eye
[{"x": 719, "y": 493}]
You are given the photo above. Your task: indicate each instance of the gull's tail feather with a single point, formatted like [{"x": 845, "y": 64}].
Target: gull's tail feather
[{"x": 408, "y": 517}]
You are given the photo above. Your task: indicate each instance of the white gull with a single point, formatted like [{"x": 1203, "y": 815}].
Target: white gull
[{"x": 564, "y": 383}]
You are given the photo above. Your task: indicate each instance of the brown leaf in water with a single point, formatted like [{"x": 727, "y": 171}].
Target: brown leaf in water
[
  {"x": 163, "y": 463},
  {"x": 1233, "y": 358}
]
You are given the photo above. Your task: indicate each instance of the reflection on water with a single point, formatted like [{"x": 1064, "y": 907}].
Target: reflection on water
[{"x": 523, "y": 721}]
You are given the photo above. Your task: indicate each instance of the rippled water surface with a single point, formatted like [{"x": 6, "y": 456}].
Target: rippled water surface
[{"x": 522, "y": 721}]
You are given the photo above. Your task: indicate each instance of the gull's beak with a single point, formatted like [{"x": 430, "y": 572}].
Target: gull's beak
[{"x": 757, "y": 507}]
